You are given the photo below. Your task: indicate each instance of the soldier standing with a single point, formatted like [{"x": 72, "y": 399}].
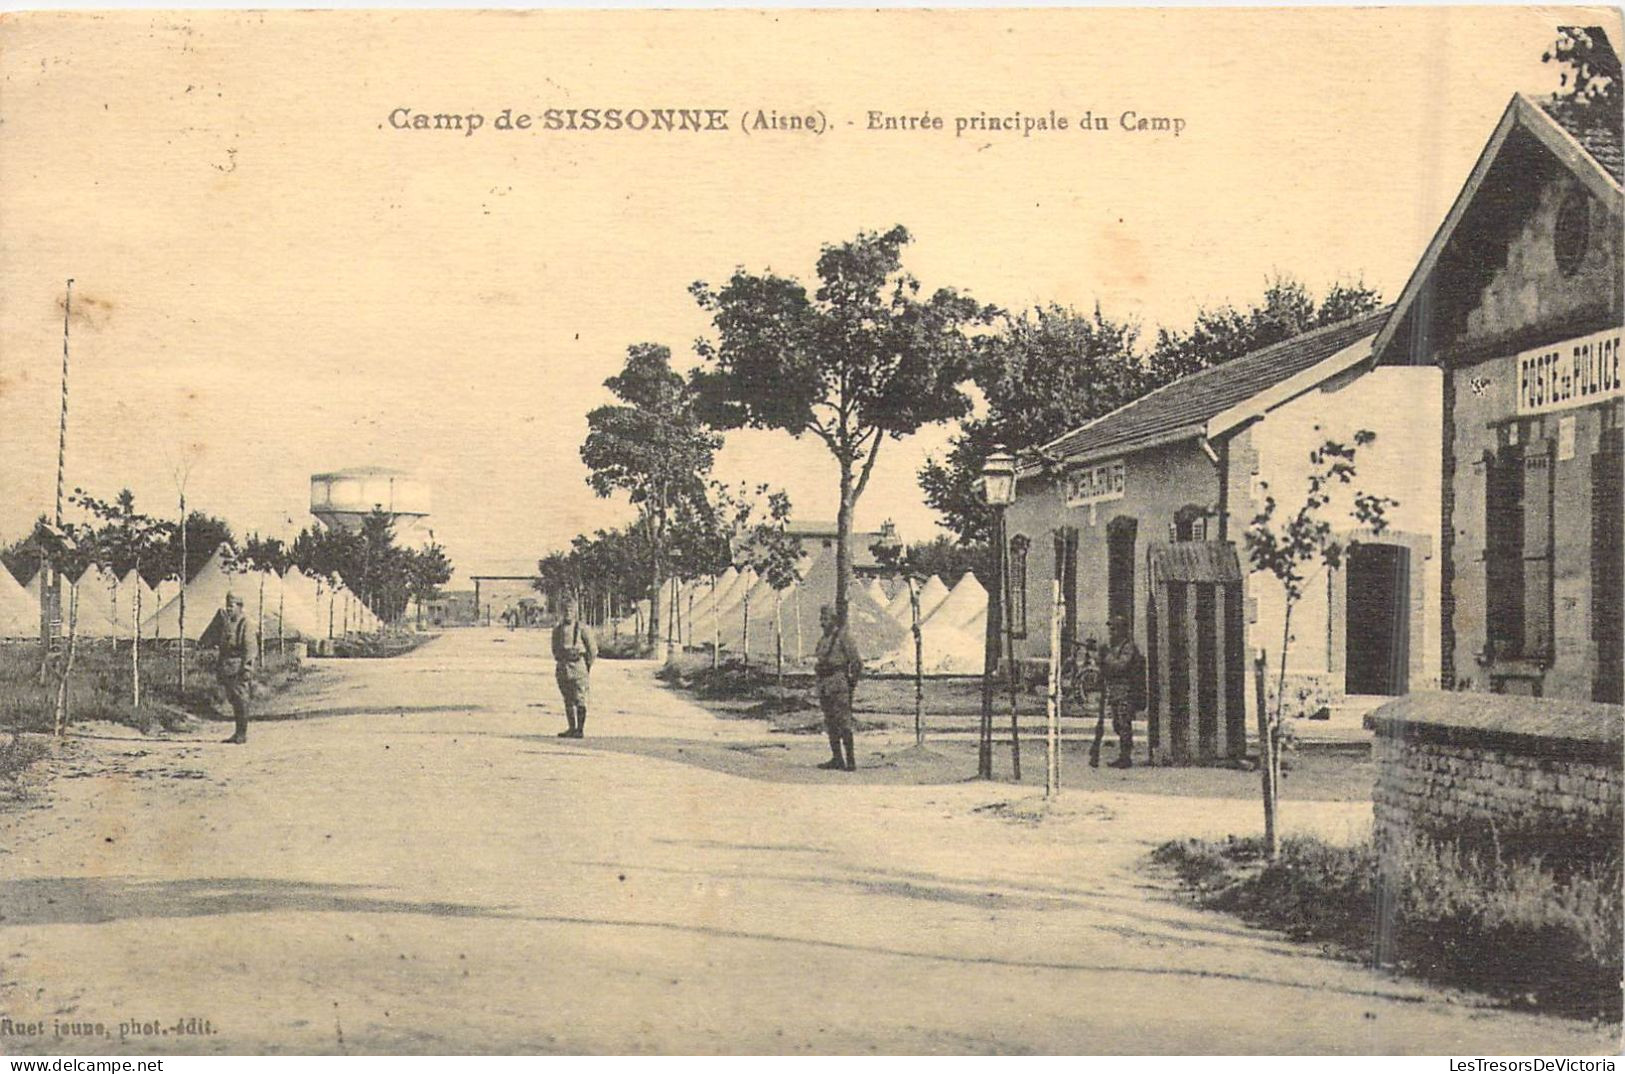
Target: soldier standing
[
  {"x": 1122, "y": 671},
  {"x": 235, "y": 667},
  {"x": 838, "y": 666},
  {"x": 574, "y": 651}
]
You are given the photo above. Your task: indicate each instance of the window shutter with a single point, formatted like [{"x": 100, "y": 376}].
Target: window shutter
[
  {"x": 1539, "y": 464},
  {"x": 1503, "y": 556}
]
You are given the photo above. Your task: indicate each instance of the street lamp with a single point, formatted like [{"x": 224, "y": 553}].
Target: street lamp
[
  {"x": 999, "y": 492},
  {"x": 999, "y": 479}
]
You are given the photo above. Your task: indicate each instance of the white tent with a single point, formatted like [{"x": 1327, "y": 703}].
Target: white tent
[
  {"x": 156, "y": 597},
  {"x": 765, "y": 605},
  {"x": 877, "y": 592},
  {"x": 963, "y": 603},
  {"x": 205, "y": 596},
  {"x": 19, "y": 612},
  {"x": 300, "y": 616},
  {"x": 286, "y": 602},
  {"x": 95, "y": 616},
  {"x": 871, "y": 629},
  {"x": 125, "y": 595},
  {"x": 726, "y": 609},
  {"x": 951, "y": 638},
  {"x": 707, "y": 603},
  {"x": 932, "y": 593}
]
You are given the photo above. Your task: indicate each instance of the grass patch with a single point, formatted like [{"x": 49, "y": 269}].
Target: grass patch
[
  {"x": 1529, "y": 932},
  {"x": 624, "y": 647},
  {"x": 100, "y": 686},
  {"x": 378, "y": 646},
  {"x": 17, "y": 756}
]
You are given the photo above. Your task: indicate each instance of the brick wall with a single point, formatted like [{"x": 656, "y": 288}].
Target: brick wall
[{"x": 1454, "y": 763}]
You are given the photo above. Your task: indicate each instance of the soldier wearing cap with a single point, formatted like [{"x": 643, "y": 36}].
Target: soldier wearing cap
[
  {"x": 838, "y": 665},
  {"x": 1122, "y": 670},
  {"x": 574, "y": 650},
  {"x": 235, "y": 667}
]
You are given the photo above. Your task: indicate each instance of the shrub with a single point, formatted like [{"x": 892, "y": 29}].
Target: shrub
[{"x": 1517, "y": 928}]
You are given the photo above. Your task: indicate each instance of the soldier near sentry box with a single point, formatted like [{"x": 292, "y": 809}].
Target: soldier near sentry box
[
  {"x": 838, "y": 665},
  {"x": 1122, "y": 671},
  {"x": 235, "y": 667},
  {"x": 574, "y": 650}
]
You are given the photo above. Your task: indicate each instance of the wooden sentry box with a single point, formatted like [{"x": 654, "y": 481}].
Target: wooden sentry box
[{"x": 1196, "y": 653}]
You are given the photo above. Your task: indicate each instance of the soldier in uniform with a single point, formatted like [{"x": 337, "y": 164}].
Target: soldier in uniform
[
  {"x": 838, "y": 665},
  {"x": 574, "y": 651},
  {"x": 235, "y": 667},
  {"x": 1122, "y": 670}
]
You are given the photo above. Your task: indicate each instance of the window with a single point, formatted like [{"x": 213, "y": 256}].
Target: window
[
  {"x": 1518, "y": 544},
  {"x": 1019, "y": 545},
  {"x": 1189, "y": 524}
]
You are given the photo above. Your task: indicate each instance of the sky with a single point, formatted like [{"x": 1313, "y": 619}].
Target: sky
[{"x": 272, "y": 280}]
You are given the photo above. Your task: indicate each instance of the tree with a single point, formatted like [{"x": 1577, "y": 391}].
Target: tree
[
  {"x": 24, "y": 555},
  {"x": 67, "y": 549},
  {"x": 427, "y": 569},
  {"x": 949, "y": 559},
  {"x": 1223, "y": 333},
  {"x": 1590, "y": 84},
  {"x": 861, "y": 359},
  {"x": 608, "y": 567},
  {"x": 653, "y": 447},
  {"x": 1286, "y": 547},
  {"x": 204, "y": 535},
  {"x": 127, "y": 541},
  {"x": 753, "y": 523},
  {"x": 1043, "y": 373}
]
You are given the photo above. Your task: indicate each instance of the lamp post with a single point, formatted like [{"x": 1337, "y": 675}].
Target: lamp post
[{"x": 999, "y": 491}]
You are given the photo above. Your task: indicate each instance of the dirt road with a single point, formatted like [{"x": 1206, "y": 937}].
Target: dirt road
[{"x": 419, "y": 865}]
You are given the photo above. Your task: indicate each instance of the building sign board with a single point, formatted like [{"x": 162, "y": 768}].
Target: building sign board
[
  {"x": 1569, "y": 374},
  {"x": 1095, "y": 484}
]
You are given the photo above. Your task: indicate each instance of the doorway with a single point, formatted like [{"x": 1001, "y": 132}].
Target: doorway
[
  {"x": 1120, "y": 533},
  {"x": 1379, "y": 620}
]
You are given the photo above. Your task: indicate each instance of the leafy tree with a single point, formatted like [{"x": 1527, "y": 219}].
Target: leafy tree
[
  {"x": 860, "y": 359},
  {"x": 1043, "y": 373},
  {"x": 204, "y": 535},
  {"x": 1223, "y": 333},
  {"x": 1286, "y": 546},
  {"x": 24, "y": 555},
  {"x": 127, "y": 540},
  {"x": 69, "y": 550},
  {"x": 323, "y": 553},
  {"x": 949, "y": 560},
  {"x": 1590, "y": 82},
  {"x": 265, "y": 554},
  {"x": 427, "y": 569},
  {"x": 652, "y": 447},
  {"x": 610, "y": 564},
  {"x": 753, "y": 523}
]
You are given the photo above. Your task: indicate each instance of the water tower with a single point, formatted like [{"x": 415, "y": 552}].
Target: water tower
[{"x": 343, "y": 499}]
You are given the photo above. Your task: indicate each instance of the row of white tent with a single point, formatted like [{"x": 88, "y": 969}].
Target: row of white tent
[
  {"x": 745, "y": 614},
  {"x": 291, "y": 605}
]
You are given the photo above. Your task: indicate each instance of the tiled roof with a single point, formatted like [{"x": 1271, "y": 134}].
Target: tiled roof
[
  {"x": 1599, "y": 139},
  {"x": 1186, "y": 405}
]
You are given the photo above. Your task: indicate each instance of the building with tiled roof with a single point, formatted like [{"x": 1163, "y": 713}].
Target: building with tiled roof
[
  {"x": 1519, "y": 300},
  {"x": 1592, "y": 131},
  {"x": 1140, "y": 514},
  {"x": 1202, "y": 403}
]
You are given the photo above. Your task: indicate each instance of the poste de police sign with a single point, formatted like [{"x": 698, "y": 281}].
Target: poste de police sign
[{"x": 1569, "y": 374}]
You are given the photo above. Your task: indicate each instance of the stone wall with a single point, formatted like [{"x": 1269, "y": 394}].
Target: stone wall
[{"x": 1451, "y": 764}]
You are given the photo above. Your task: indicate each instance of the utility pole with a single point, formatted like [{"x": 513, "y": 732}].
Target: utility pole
[
  {"x": 50, "y": 581},
  {"x": 181, "y": 673}
]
